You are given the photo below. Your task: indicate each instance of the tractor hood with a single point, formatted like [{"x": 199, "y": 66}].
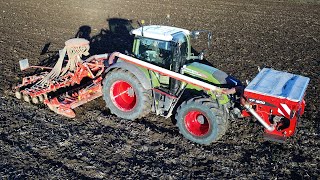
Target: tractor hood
[{"x": 210, "y": 74}]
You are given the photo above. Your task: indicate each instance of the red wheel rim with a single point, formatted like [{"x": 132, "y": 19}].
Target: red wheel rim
[
  {"x": 123, "y": 95},
  {"x": 196, "y": 123}
]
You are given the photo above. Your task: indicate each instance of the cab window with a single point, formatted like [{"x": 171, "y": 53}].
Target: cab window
[
  {"x": 182, "y": 40},
  {"x": 154, "y": 51}
]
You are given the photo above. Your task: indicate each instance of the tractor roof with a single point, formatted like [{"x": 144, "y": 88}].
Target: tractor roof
[{"x": 164, "y": 33}]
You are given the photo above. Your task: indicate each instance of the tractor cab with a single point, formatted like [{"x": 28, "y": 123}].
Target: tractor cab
[
  {"x": 169, "y": 47},
  {"x": 157, "y": 44},
  {"x": 164, "y": 46}
]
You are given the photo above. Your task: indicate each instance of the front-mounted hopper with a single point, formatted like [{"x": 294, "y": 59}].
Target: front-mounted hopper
[{"x": 277, "y": 100}]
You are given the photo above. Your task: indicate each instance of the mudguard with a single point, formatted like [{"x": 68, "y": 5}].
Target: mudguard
[{"x": 145, "y": 81}]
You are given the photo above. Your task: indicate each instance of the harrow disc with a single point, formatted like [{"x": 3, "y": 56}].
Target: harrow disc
[
  {"x": 18, "y": 95},
  {"x": 40, "y": 98},
  {"x": 35, "y": 100},
  {"x": 26, "y": 98}
]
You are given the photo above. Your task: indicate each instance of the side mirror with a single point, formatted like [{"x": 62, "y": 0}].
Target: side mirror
[
  {"x": 195, "y": 34},
  {"x": 201, "y": 55},
  {"x": 209, "y": 39}
]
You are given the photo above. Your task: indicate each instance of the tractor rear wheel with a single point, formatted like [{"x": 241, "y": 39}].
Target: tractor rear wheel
[
  {"x": 125, "y": 96},
  {"x": 202, "y": 120}
]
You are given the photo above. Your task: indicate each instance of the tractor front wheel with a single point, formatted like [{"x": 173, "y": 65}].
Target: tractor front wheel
[
  {"x": 125, "y": 96},
  {"x": 201, "y": 120}
]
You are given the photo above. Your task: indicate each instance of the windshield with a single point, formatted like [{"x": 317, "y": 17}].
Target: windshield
[{"x": 154, "y": 51}]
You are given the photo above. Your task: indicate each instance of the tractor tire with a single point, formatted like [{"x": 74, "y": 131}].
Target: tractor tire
[
  {"x": 202, "y": 120},
  {"x": 125, "y": 96}
]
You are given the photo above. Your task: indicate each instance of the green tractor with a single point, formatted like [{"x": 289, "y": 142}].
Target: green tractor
[{"x": 132, "y": 91}]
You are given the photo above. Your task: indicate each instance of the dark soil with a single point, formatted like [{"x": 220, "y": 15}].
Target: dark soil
[{"x": 35, "y": 143}]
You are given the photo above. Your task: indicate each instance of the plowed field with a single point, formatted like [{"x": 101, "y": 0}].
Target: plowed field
[{"x": 36, "y": 143}]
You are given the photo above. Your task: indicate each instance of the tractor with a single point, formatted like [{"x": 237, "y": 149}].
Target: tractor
[{"x": 163, "y": 75}]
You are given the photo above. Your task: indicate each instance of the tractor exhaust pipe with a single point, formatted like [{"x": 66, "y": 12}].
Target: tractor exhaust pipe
[{"x": 256, "y": 115}]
